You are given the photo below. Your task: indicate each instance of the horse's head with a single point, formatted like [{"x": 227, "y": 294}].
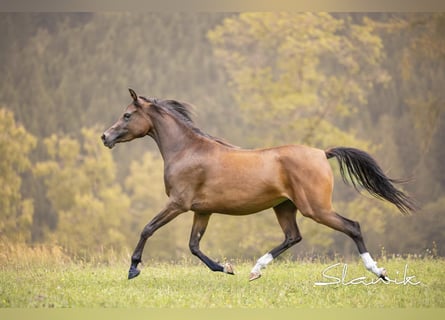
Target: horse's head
[{"x": 133, "y": 123}]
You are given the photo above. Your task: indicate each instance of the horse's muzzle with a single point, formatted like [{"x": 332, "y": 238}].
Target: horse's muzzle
[{"x": 107, "y": 142}]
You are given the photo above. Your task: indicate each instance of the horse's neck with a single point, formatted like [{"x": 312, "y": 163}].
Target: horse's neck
[{"x": 171, "y": 136}]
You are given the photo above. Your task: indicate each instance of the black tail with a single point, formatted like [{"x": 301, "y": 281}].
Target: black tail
[{"x": 364, "y": 171}]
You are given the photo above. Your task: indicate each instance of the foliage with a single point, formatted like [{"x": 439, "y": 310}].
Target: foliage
[
  {"x": 81, "y": 186},
  {"x": 300, "y": 72},
  {"x": 16, "y": 212},
  {"x": 410, "y": 118}
]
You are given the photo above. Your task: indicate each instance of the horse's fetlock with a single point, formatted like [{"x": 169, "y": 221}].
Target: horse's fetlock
[
  {"x": 135, "y": 260},
  {"x": 194, "y": 248},
  {"x": 295, "y": 239},
  {"x": 298, "y": 239},
  {"x": 146, "y": 233}
]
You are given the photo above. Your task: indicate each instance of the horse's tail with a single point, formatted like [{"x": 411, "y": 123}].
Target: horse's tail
[{"x": 364, "y": 171}]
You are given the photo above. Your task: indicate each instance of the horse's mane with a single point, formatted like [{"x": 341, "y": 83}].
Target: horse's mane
[{"x": 182, "y": 112}]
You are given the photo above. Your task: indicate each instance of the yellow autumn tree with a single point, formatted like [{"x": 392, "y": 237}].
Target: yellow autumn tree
[
  {"x": 303, "y": 74},
  {"x": 16, "y": 213},
  {"x": 81, "y": 186}
]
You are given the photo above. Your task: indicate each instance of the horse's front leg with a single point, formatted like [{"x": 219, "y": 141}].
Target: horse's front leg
[
  {"x": 170, "y": 212},
  {"x": 200, "y": 221}
]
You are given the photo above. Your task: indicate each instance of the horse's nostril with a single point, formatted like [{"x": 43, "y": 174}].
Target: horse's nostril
[{"x": 103, "y": 137}]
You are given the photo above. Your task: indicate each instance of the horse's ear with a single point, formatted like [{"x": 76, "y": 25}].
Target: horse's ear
[{"x": 133, "y": 94}]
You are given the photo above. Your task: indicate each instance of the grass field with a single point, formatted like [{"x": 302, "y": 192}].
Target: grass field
[{"x": 49, "y": 281}]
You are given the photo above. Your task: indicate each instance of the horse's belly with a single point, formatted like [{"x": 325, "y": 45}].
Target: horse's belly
[{"x": 236, "y": 203}]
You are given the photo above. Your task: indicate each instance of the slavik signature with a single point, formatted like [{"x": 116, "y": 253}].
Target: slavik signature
[{"x": 342, "y": 279}]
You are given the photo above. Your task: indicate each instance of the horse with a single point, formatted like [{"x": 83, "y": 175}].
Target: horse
[{"x": 208, "y": 175}]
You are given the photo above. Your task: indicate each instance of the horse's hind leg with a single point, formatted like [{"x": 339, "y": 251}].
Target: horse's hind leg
[
  {"x": 352, "y": 229},
  {"x": 200, "y": 222},
  {"x": 286, "y": 215}
]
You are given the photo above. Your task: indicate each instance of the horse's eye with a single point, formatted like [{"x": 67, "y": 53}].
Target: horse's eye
[{"x": 127, "y": 116}]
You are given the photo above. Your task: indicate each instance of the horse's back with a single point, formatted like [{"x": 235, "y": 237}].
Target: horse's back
[{"x": 277, "y": 166}]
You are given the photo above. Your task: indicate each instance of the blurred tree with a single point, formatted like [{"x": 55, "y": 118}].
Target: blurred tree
[
  {"x": 16, "y": 213},
  {"x": 84, "y": 64},
  {"x": 300, "y": 74},
  {"x": 408, "y": 120},
  {"x": 421, "y": 233},
  {"x": 81, "y": 186}
]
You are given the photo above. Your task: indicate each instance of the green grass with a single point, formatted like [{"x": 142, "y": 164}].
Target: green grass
[{"x": 35, "y": 282}]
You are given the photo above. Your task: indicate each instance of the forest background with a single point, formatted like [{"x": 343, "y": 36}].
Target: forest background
[{"x": 374, "y": 81}]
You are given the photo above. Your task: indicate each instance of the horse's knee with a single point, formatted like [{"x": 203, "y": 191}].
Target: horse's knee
[{"x": 146, "y": 233}]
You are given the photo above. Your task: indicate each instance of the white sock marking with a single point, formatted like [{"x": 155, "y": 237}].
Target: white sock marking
[
  {"x": 262, "y": 263},
  {"x": 370, "y": 264}
]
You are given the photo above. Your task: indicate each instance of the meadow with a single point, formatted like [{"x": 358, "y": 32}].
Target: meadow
[{"x": 45, "y": 278}]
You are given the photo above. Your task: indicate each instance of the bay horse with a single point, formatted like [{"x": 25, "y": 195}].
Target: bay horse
[{"x": 207, "y": 175}]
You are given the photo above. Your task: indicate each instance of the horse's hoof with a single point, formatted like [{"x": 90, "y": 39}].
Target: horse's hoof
[
  {"x": 254, "y": 276},
  {"x": 228, "y": 269},
  {"x": 384, "y": 275},
  {"x": 133, "y": 273}
]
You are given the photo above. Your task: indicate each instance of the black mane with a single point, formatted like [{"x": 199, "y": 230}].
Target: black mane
[{"x": 181, "y": 111}]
